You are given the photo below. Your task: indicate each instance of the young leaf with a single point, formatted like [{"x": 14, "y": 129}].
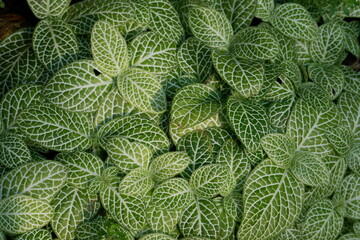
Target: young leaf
[
  {"x": 264, "y": 9},
  {"x": 143, "y": 90},
  {"x": 109, "y": 49},
  {"x": 279, "y": 113},
  {"x": 243, "y": 76},
  {"x": 353, "y": 159},
  {"x": 210, "y": 26},
  {"x": 21, "y": 213},
  {"x": 94, "y": 229},
  {"x": 39, "y": 234},
  {"x": 157, "y": 236},
  {"x": 78, "y": 87},
  {"x": 13, "y": 151},
  {"x": 269, "y": 190},
  {"x": 172, "y": 194},
  {"x": 162, "y": 220},
  {"x": 194, "y": 104},
  {"x": 294, "y": 21},
  {"x": 50, "y": 8},
  {"x": 55, "y": 128},
  {"x": 340, "y": 138},
  {"x": 55, "y": 44},
  {"x": 40, "y": 180},
  {"x": 136, "y": 183},
  {"x": 168, "y": 165},
  {"x": 352, "y": 80}
]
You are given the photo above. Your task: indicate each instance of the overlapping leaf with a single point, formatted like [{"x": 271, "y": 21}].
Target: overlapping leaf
[
  {"x": 136, "y": 183},
  {"x": 352, "y": 80},
  {"x": 264, "y": 9},
  {"x": 13, "y": 151},
  {"x": 162, "y": 220},
  {"x": 157, "y": 236},
  {"x": 353, "y": 158},
  {"x": 340, "y": 138},
  {"x": 39, "y": 234},
  {"x": 49, "y": 8}
]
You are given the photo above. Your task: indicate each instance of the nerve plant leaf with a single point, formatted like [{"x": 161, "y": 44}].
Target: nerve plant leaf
[
  {"x": 353, "y": 158},
  {"x": 136, "y": 183},
  {"x": 13, "y": 151},
  {"x": 264, "y": 9},
  {"x": 340, "y": 138},
  {"x": 50, "y": 8},
  {"x": 40, "y": 234},
  {"x": 157, "y": 236}
]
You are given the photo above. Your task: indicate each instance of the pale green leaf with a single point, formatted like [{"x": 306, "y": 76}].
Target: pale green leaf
[
  {"x": 156, "y": 236},
  {"x": 282, "y": 89},
  {"x": 244, "y": 76},
  {"x": 13, "y": 151},
  {"x": 272, "y": 202},
  {"x": 302, "y": 49},
  {"x": 264, "y": 9},
  {"x": 172, "y": 194},
  {"x": 314, "y": 95},
  {"x": 249, "y": 120},
  {"x": 38, "y": 234},
  {"x": 109, "y": 49},
  {"x": 162, "y": 220},
  {"x": 294, "y": 21},
  {"x": 81, "y": 167},
  {"x": 136, "y": 183},
  {"x": 143, "y": 90},
  {"x": 48, "y": 8},
  {"x": 41, "y": 180},
  {"x": 55, "y": 128},
  {"x": 94, "y": 229},
  {"x": 340, "y": 138},
  {"x": 78, "y": 87},
  {"x": 288, "y": 234},
  {"x": 21, "y": 213},
  {"x": 210, "y": 26},
  {"x": 353, "y": 159},
  {"x": 169, "y": 165},
  {"x": 194, "y": 104},
  {"x": 352, "y": 80},
  {"x": 55, "y": 44},
  {"x": 279, "y": 113}
]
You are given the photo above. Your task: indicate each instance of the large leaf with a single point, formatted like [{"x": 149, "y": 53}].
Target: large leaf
[
  {"x": 210, "y": 26},
  {"x": 55, "y": 128},
  {"x": 243, "y": 76},
  {"x": 143, "y": 90},
  {"x": 38, "y": 234},
  {"x": 169, "y": 164},
  {"x": 200, "y": 218},
  {"x": 13, "y": 151},
  {"x": 254, "y": 43},
  {"x": 55, "y": 44},
  {"x": 294, "y": 21},
  {"x": 41, "y": 180},
  {"x": 134, "y": 128},
  {"x": 249, "y": 120},
  {"x": 322, "y": 222},
  {"x": 78, "y": 87},
  {"x": 72, "y": 206},
  {"x": 18, "y": 61},
  {"x": 153, "y": 53},
  {"x": 109, "y": 49},
  {"x": 173, "y": 194},
  {"x": 270, "y": 193},
  {"x": 81, "y": 167},
  {"x": 21, "y": 213},
  {"x": 138, "y": 182},
  {"x": 48, "y": 8},
  {"x": 127, "y": 155},
  {"x": 194, "y": 104}
]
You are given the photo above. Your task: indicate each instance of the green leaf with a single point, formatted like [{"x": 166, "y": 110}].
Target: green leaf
[
  {"x": 136, "y": 183},
  {"x": 352, "y": 80},
  {"x": 239, "y": 12},
  {"x": 154, "y": 53},
  {"x": 353, "y": 159},
  {"x": 329, "y": 45},
  {"x": 18, "y": 61},
  {"x": 279, "y": 147},
  {"x": 13, "y": 151},
  {"x": 55, "y": 128},
  {"x": 194, "y": 58},
  {"x": 254, "y": 43},
  {"x": 172, "y": 194},
  {"x": 39, "y": 234},
  {"x": 55, "y": 44},
  {"x": 169, "y": 165},
  {"x": 279, "y": 113},
  {"x": 41, "y": 180},
  {"x": 314, "y": 95},
  {"x": 127, "y": 210},
  {"x": 81, "y": 167},
  {"x": 94, "y": 229},
  {"x": 200, "y": 218},
  {"x": 249, "y": 120},
  {"x": 162, "y": 220},
  {"x": 194, "y": 104},
  {"x": 20, "y": 213},
  {"x": 165, "y": 20},
  {"x": 78, "y": 87},
  {"x": 142, "y": 90},
  {"x": 294, "y": 21},
  {"x": 157, "y": 236},
  {"x": 348, "y": 195},
  {"x": 349, "y": 111},
  {"x": 208, "y": 181},
  {"x": 109, "y": 49},
  {"x": 307, "y": 127},
  {"x": 282, "y": 89},
  {"x": 127, "y": 155},
  {"x": 72, "y": 206},
  {"x": 340, "y": 138},
  {"x": 269, "y": 191},
  {"x": 49, "y": 8},
  {"x": 134, "y": 128},
  {"x": 244, "y": 76},
  {"x": 210, "y": 26},
  {"x": 330, "y": 78},
  {"x": 322, "y": 222},
  {"x": 264, "y": 9},
  {"x": 309, "y": 169}
]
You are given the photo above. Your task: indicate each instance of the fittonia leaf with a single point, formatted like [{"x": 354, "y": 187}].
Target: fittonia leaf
[
  {"x": 137, "y": 182},
  {"x": 40, "y": 234},
  {"x": 51, "y": 8},
  {"x": 13, "y": 151}
]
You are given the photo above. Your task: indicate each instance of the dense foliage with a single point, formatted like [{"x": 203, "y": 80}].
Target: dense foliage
[{"x": 183, "y": 119}]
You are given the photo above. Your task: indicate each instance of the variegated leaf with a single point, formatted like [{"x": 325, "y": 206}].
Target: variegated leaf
[
  {"x": 352, "y": 80},
  {"x": 48, "y": 8},
  {"x": 38, "y": 234},
  {"x": 264, "y": 9},
  {"x": 157, "y": 236},
  {"x": 13, "y": 151},
  {"x": 162, "y": 220},
  {"x": 340, "y": 138},
  {"x": 353, "y": 158},
  {"x": 137, "y": 182}
]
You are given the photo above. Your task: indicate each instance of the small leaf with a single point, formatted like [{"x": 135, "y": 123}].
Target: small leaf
[
  {"x": 50, "y": 8},
  {"x": 352, "y": 80},
  {"x": 353, "y": 159},
  {"x": 264, "y": 9},
  {"x": 136, "y": 183},
  {"x": 13, "y": 151},
  {"x": 109, "y": 49},
  {"x": 162, "y": 220},
  {"x": 20, "y": 213},
  {"x": 157, "y": 236},
  {"x": 38, "y": 234},
  {"x": 294, "y": 21},
  {"x": 340, "y": 138}
]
